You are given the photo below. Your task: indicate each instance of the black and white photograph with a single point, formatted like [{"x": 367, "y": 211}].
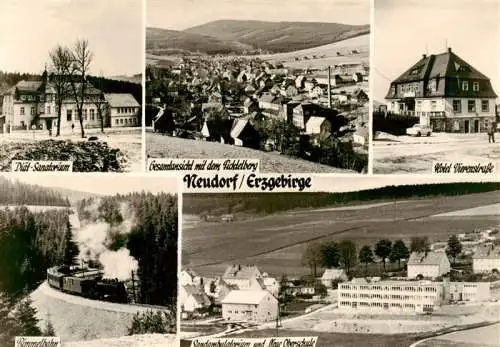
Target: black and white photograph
[
  {"x": 378, "y": 261},
  {"x": 71, "y": 83},
  {"x": 285, "y": 82},
  {"x": 436, "y": 80},
  {"x": 90, "y": 259}
]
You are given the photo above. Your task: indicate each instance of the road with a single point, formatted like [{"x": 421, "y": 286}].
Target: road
[{"x": 405, "y": 154}]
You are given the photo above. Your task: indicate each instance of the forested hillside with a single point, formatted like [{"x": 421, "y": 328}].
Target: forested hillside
[
  {"x": 29, "y": 244},
  {"x": 275, "y": 202},
  {"x": 17, "y": 193}
]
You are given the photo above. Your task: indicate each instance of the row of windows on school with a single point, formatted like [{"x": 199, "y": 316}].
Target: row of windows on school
[
  {"x": 379, "y": 304},
  {"x": 120, "y": 110},
  {"x": 386, "y": 296},
  {"x": 393, "y": 288}
]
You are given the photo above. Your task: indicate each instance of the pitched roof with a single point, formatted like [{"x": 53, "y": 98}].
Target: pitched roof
[
  {"x": 252, "y": 297},
  {"x": 331, "y": 274},
  {"x": 429, "y": 258},
  {"x": 238, "y": 126},
  {"x": 121, "y": 100},
  {"x": 238, "y": 271},
  {"x": 314, "y": 123},
  {"x": 28, "y": 86},
  {"x": 447, "y": 66}
]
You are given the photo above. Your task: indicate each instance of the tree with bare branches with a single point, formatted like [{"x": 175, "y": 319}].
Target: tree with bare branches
[
  {"x": 82, "y": 57},
  {"x": 60, "y": 64},
  {"x": 100, "y": 102}
]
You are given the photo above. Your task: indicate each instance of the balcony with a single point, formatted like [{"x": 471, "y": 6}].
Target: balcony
[{"x": 437, "y": 115}]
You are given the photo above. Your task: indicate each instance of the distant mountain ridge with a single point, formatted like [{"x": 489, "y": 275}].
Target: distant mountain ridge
[{"x": 249, "y": 36}]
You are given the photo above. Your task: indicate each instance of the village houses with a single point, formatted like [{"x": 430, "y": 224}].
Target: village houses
[
  {"x": 486, "y": 259},
  {"x": 428, "y": 264}
]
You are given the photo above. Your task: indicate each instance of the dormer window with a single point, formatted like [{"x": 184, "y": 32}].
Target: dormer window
[
  {"x": 465, "y": 86},
  {"x": 475, "y": 86}
]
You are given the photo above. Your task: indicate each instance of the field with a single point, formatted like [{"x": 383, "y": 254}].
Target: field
[
  {"x": 391, "y": 155},
  {"x": 150, "y": 340},
  {"x": 276, "y": 242},
  {"x": 240, "y": 36},
  {"x": 360, "y": 43},
  {"x": 159, "y": 146}
]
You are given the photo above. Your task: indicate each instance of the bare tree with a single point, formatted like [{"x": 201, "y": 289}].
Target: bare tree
[
  {"x": 82, "y": 57},
  {"x": 99, "y": 102},
  {"x": 60, "y": 64}
]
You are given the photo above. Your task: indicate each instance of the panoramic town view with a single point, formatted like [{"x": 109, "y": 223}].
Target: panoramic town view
[
  {"x": 288, "y": 89},
  {"x": 71, "y": 100},
  {"x": 388, "y": 265},
  {"x": 88, "y": 265},
  {"x": 436, "y": 100}
]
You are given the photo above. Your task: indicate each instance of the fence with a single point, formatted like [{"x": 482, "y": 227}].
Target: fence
[{"x": 392, "y": 123}]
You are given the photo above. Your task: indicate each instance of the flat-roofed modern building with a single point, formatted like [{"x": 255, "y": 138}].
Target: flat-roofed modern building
[{"x": 390, "y": 296}]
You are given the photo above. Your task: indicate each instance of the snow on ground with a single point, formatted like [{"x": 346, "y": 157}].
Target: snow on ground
[
  {"x": 150, "y": 340},
  {"x": 406, "y": 154},
  {"x": 159, "y": 146},
  {"x": 128, "y": 140},
  {"x": 487, "y": 336},
  {"x": 330, "y": 319},
  {"x": 488, "y": 210},
  {"x": 75, "y": 318}
]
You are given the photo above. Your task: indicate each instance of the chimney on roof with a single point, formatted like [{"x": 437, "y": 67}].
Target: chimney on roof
[
  {"x": 424, "y": 56},
  {"x": 449, "y": 49}
]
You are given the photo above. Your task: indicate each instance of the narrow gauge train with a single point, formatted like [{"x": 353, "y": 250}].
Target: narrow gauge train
[{"x": 86, "y": 282}]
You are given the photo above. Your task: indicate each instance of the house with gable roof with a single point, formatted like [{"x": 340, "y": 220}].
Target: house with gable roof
[
  {"x": 249, "y": 306},
  {"x": 446, "y": 93},
  {"x": 428, "y": 264}
]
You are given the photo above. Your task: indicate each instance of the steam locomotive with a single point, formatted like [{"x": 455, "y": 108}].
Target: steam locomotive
[{"x": 86, "y": 282}]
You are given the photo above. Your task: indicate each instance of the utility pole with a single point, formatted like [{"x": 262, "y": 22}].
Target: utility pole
[{"x": 329, "y": 87}]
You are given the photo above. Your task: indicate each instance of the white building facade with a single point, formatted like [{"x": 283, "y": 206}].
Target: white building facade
[
  {"x": 249, "y": 306},
  {"x": 486, "y": 259},
  {"x": 389, "y": 296},
  {"x": 31, "y": 105},
  {"x": 428, "y": 264}
]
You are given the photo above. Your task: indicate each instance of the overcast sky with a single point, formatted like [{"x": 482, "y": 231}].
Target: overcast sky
[
  {"x": 29, "y": 29},
  {"x": 406, "y": 29},
  {"x": 182, "y": 14},
  {"x": 104, "y": 184}
]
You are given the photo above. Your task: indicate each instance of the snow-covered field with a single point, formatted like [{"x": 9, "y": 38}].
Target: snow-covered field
[
  {"x": 150, "y": 340},
  {"x": 128, "y": 140},
  {"x": 75, "y": 318},
  {"x": 488, "y": 210},
  {"x": 406, "y": 154}
]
